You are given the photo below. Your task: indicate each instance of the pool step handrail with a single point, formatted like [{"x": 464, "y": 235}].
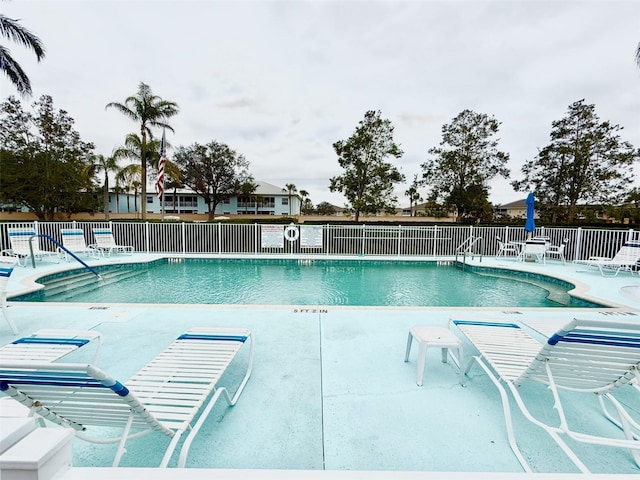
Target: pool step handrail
[
  {"x": 468, "y": 247},
  {"x": 61, "y": 247}
]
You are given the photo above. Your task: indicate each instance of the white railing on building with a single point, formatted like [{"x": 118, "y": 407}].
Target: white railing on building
[{"x": 398, "y": 240}]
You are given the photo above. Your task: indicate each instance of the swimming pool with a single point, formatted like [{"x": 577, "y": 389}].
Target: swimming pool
[{"x": 301, "y": 282}]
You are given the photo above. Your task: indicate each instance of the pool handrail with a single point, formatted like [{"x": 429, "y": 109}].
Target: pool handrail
[{"x": 61, "y": 247}]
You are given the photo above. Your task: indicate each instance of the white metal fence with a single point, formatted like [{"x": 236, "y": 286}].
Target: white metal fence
[{"x": 401, "y": 240}]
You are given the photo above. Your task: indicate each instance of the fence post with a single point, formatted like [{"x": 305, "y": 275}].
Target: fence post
[
  {"x": 146, "y": 235},
  {"x": 577, "y": 250},
  {"x": 363, "y": 239},
  {"x": 435, "y": 239},
  {"x": 183, "y": 229}
]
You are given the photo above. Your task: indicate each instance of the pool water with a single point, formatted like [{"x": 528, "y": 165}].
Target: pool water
[{"x": 290, "y": 282}]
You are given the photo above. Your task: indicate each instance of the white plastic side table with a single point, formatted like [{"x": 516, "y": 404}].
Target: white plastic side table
[{"x": 430, "y": 336}]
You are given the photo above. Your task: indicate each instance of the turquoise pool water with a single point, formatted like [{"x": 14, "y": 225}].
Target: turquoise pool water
[{"x": 290, "y": 282}]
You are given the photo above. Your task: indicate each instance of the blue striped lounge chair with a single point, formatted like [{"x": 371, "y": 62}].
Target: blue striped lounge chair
[
  {"x": 597, "y": 357},
  {"x": 24, "y": 246},
  {"x": 106, "y": 243},
  {"x": 49, "y": 345},
  {"x": 73, "y": 241},
  {"x": 7, "y": 265},
  {"x": 172, "y": 395}
]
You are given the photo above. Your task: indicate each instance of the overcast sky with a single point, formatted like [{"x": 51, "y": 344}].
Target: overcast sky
[{"x": 281, "y": 81}]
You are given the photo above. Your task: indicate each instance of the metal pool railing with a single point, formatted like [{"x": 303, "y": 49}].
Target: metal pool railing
[{"x": 265, "y": 239}]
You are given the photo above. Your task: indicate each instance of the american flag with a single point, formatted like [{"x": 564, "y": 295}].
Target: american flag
[{"x": 163, "y": 159}]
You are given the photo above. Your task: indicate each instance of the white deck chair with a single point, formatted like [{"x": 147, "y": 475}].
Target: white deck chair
[
  {"x": 6, "y": 269},
  {"x": 19, "y": 239},
  {"x": 627, "y": 258},
  {"x": 171, "y": 395},
  {"x": 73, "y": 241},
  {"x": 589, "y": 356},
  {"x": 49, "y": 345},
  {"x": 557, "y": 251},
  {"x": 106, "y": 243},
  {"x": 506, "y": 248}
]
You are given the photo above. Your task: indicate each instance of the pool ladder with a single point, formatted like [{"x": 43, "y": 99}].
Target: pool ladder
[
  {"x": 306, "y": 261},
  {"x": 472, "y": 246}
]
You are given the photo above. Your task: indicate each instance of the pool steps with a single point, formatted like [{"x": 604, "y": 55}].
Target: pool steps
[{"x": 85, "y": 282}]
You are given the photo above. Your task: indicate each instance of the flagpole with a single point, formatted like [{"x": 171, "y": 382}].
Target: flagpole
[{"x": 162, "y": 197}]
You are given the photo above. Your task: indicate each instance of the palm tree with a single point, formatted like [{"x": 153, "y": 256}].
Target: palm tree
[
  {"x": 12, "y": 30},
  {"x": 413, "y": 194},
  {"x": 303, "y": 194},
  {"x": 291, "y": 188},
  {"x": 129, "y": 178},
  {"x": 107, "y": 165},
  {"x": 150, "y": 111},
  {"x": 247, "y": 189}
]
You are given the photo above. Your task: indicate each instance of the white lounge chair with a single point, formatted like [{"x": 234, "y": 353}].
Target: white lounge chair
[
  {"x": 589, "y": 356},
  {"x": 6, "y": 269},
  {"x": 49, "y": 345},
  {"x": 106, "y": 243},
  {"x": 627, "y": 259},
  {"x": 171, "y": 395},
  {"x": 20, "y": 239},
  {"x": 73, "y": 241},
  {"x": 505, "y": 248},
  {"x": 557, "y": 251}
]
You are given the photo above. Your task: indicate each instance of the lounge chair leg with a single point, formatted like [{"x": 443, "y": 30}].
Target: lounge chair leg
[
  {"x": 507, "y": 416},
  {"x": 125, "y": 435}
]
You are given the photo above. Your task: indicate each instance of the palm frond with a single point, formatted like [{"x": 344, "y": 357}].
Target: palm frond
[
  {"x": 123, "y": 109},
  {"x": 11, "y": 29},
  {"x": 14, "y": 72}
]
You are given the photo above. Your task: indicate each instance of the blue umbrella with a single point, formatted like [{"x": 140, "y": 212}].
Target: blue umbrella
[{"x": 530, "y": 225}]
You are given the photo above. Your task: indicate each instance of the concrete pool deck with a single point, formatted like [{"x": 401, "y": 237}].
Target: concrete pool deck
[{"x": 330, "y": 391}]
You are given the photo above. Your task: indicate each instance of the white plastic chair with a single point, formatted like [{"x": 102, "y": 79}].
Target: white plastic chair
[
  {"x": 24, "y": 246},
  {"x": 627, "y": 259},
  {"x": 73, "y": 241},
  {"x": 595, "y": 357},
  {"x": 172, "y": 395},
  {"x": 557, "y": 251},
  {"x": 49, "y": 345},
  {"x": 506, "y": 248},
  {"x": 106, "y": 243}
]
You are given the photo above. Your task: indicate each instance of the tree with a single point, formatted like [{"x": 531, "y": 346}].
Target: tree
[
  {"x": 150, "y": 111},
  {"x": 585, "y": 162},
  {"x": 106, "y": 165},
  {"x": 413, "y": 194},
  {"x": 214, "y": 171},
  {"x": 12, "y": 30},
  {"x": 247, "y": 189},
  {"x": 128, "y": 178},
  {"x": 465, "y": 161},
  {"x": 44, "y": 163},
  {"x": 368, "y": 179},
  {"x": 638, "y": 55},
  {"x": 306, "y": 206},
  {"x": 291, "y": 188},
  {"x": 325, "y": 208}
]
